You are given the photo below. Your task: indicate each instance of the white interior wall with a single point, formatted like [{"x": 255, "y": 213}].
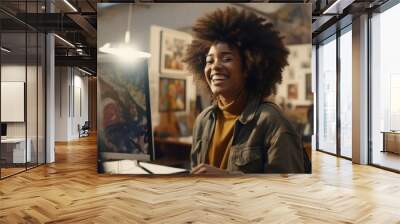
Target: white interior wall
[
  {"x": 61, "y": 103},
  {"x": 66, "y": 119},
  {"x": 11, "y": 73},
  {"x": 79, "y": 117},
  {"x": 299, "y": 57}
]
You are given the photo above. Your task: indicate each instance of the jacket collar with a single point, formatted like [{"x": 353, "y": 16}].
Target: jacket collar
[{"x": 248, "y": 112}]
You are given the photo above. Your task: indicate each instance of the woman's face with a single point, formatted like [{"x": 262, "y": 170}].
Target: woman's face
[{"x": 223, "y": 71}]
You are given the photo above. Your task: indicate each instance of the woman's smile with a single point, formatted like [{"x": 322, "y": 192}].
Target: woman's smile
[{"x": 218, "y": 79}]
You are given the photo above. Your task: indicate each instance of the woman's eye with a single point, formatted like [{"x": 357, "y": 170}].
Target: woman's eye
[{"x": 227, "y": 59}]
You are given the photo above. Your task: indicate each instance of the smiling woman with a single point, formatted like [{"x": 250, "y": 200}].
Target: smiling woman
[{"x": 239, "y": 57}]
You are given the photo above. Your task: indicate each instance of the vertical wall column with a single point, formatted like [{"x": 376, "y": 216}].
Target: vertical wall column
[
  {"x": 50, "y": 99},
  {"x": 360, "y": 90},
  {"x": 62, "y": 103}
]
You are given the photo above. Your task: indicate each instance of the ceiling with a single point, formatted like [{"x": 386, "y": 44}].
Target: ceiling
[{"x": 79, "y": 27}]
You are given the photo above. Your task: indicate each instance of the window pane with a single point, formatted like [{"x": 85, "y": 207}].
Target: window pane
[
  {"x": 346, "y": 94},
  {"x": 385, "y": 84},
  {"x": 327, "y": 96}
]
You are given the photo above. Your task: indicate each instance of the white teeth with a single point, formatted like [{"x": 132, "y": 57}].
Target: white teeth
[{"x": 218, "y": 77}]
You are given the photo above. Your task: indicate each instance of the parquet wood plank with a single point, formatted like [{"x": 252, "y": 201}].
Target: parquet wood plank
[{"x": 70, "y": 191}]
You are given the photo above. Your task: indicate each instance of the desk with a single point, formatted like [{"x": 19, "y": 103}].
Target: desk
[
  {"x": 391, "y": 141},
  {"x": 16, "y": 147},
  {"x": 182, "y": 141},
  {"x": 141, "y": 168},
  {"x": 173, "y": 151}
]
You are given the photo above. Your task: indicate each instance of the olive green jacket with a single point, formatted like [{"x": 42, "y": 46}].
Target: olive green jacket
[{"x": 264, "y": 141}]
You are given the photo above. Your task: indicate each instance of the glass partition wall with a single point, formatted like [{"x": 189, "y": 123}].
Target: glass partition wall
[
  {"x": 13, "y": 110},
  {"x": 22, "y": 77},
  {"x": 334, "y": 94}
]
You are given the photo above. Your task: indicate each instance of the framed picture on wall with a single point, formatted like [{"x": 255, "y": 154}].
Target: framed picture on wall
[
  {"x": 292, "y": 91},
  {"x": 172, "y": 94},
  {"x": 173, "y": 45}
]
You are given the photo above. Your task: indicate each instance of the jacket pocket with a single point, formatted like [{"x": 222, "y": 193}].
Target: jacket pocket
[{"x": 248, "y": 159}]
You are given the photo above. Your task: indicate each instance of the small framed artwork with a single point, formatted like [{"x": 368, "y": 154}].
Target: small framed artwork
[
  {"x": 172, "y": 49},
  {"x": 292, "y": 91},
  {"x": 172, "y": 94}
]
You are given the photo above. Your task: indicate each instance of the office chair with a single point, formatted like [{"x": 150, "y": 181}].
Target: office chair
[{"x": 84, "y": 130}]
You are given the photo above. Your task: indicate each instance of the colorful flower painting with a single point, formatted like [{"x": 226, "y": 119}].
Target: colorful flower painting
[{"x": 172, "y": 94}]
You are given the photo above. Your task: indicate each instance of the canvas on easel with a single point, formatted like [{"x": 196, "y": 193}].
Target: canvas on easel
[{"x": 124, "y": 112}]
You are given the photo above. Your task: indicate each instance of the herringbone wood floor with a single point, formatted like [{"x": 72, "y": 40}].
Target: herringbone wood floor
[{"x": 70, "y": 191}]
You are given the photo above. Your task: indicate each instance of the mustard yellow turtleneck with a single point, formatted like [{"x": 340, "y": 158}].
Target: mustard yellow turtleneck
[{"x": 227, "y": 115}]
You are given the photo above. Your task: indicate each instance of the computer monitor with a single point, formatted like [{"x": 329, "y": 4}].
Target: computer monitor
[{"x": 3, "y": 129}]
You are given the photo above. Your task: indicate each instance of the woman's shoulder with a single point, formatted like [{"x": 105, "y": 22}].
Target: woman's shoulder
[
  {"x": 270, "y": 110},
  {"x": 273, "y": 115}
]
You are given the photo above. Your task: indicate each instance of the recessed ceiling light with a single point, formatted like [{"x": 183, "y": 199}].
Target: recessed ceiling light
[
  {"x": 5, "y": 50},
  {"x": 70, "y": 5},
  {"x": 64, "y": 40},
  {"x": 337, "y": 7},
  {"x": 84, "y": 71}
]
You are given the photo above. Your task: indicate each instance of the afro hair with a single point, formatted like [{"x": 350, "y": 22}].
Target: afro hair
[{"x": 263, "y": 52}]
